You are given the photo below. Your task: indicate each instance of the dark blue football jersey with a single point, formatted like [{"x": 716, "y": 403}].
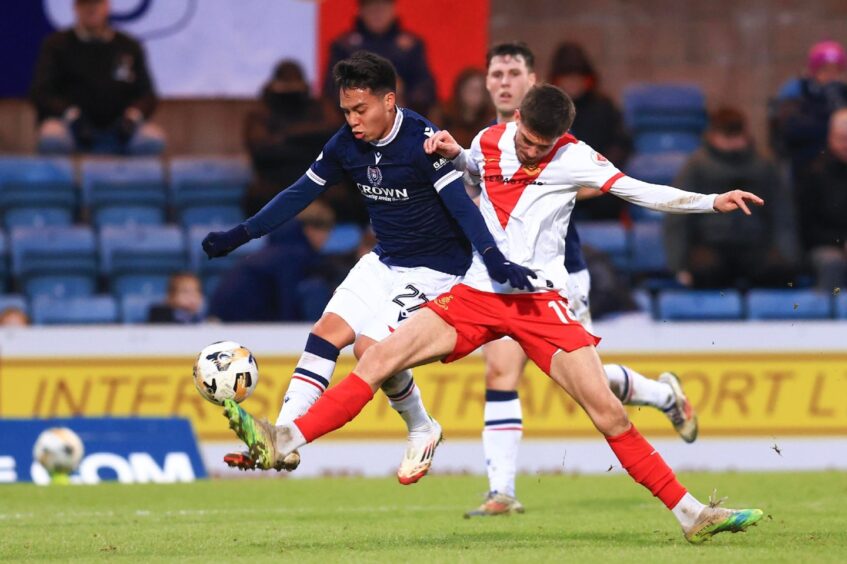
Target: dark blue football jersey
[{"x": 400, "y": 185}]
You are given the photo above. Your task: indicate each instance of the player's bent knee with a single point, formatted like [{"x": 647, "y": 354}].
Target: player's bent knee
[
  {"x": 612, "y": 420},
  {"x": 334, "y": 329},
  {"x": 362, "y": 344},
  {"x": 375, "y": 366}
]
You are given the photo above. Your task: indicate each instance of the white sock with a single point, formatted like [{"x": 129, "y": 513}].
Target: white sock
[
  {"x": 501, "y": 439},
  {"x": 310, "y": 379},
  {"x": 289, "y": 438},
  {"x": 633, "y": 388},
  {"x": 687, "y": 510},
  {"x": 405, "y": 397}
]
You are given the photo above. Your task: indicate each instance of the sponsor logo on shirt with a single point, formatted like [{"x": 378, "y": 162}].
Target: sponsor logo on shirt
[
  {"x": 382, "y": 194},
  {"x": 439, "y": 163}
]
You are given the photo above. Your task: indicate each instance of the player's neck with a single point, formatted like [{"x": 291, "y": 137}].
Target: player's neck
[
  {"x": 505, "y": 118},
  {"x": 389, "y": 128}
]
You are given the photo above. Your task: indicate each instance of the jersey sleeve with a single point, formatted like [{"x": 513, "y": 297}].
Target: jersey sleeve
[
  {"x": 586, "y": 167},
  {"x": 438, "y": 170},
  {"x": 327, "y": 169}
]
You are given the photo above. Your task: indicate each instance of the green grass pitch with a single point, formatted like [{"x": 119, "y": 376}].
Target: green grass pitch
[{"x": 574, "y": 518}]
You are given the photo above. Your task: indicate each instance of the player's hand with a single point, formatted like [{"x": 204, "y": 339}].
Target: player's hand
[
  {"x": 443, "y": 144},
  {"x": 221, "y": 243},
  {"x": 735, "y": 200},
  {"x": 502, "y": 271}
]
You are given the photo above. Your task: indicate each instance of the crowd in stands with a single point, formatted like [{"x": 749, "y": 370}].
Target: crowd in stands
[{"x": 94, "y": 95}]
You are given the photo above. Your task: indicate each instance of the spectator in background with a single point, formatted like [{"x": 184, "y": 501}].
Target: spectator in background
[
  {"x": 13, "y": 317},
  {"x": 718, "y": 251},
  {"x": 378, "y": 30},
  {"x": 285, "y": 134},
  {"x": 290, "y": 279},
  {"x": 598, "y": 121},
  {"x": 822, "y": 194},
  {"x": 469, "y": 110},
  {"x": 92, "y": 90},
  {"x": 184, "y": 303},
  {"x": 804, "y": 104}
]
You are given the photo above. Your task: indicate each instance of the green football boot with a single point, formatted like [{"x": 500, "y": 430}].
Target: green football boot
[
  {"x": 257, "y": 434},
  {"x": 713, "y": 520}
]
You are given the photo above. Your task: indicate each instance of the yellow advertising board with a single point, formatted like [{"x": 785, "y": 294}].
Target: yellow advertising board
[{"x": 734, "y": 394}]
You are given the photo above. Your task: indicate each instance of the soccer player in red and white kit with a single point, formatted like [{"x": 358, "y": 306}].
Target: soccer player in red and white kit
[{"x": 530, "y": 171}]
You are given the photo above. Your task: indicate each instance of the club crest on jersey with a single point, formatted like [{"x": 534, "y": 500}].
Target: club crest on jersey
[
  {"x": 599, "y": 159},
  {"x": 375, "y": 175}
]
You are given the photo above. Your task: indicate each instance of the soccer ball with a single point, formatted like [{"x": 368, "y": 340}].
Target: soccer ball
[
  {"x": 225, "y": 370},
  {"x": 59, "y": 450}
]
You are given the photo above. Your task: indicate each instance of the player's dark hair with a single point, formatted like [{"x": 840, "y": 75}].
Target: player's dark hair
[
  {"x": 365, "y": 70},
  {"x": 547, "y": 111},
  {"x": 511, "y": 49}
]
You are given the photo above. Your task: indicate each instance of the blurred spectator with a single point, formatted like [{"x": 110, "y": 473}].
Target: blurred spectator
[
  {"x": 378, "y": 30},
  {"x": 469, "y": 110},
  {"x": 92, "y": 89},
  {"x": 822, "y": 195},
  {"x": 804, "y": 104},
  {"x": 184, "y": 303},
  {"x": 285, "y": 134},
  {"x": 13, "y": 317},
  {"x": 290, "y": 279},
  {"x": 726, "y": 250},
  {"x": 598, "y": 121}
]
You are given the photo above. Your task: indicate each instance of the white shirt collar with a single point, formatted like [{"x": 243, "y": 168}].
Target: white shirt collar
[{"x": 398, "y": 121}]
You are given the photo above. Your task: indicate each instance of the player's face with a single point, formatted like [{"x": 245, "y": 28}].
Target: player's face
[
  {"x": 508, "y": 80},
  {"x": 531, "y": 147},
  {"x": 92, "y": 14},
  {"x": 370, "y": 116}
]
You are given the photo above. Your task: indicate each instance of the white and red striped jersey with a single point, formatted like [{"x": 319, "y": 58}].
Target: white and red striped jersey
[{"x": 527, "y": 209}]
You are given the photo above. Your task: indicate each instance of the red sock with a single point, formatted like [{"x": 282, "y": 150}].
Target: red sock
[
  {"x": 336, "y": 407},
  {"x": 646, "y": 466}
]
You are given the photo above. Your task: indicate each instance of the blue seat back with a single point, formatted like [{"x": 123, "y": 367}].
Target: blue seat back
[
  {"x": 135, "y": 308},
  {"x": 222, "y": 214},
  {"x": 789, "y": 304},
  {"x": 344, "y": 238},
  {"x": 142, "y": 249},
  {"x": 665, "y": 107},
  {"x": 155, "y": 285},
  {"x": 13, "y": 301},
  {"x": 53, "y": 250},
  {"x": 128, "y": 215},
  {"x": 648, "y": 248},
  {"x": 841, "y": 305},
  {"x": 88, "y": 310},
  {"x": 36, "y": 170},
  {"x": 201, "y": 264},
  {"x": 700, "y": 305},
  {"x": 59, "y": 286},
  {"x": 609, "y": 237},
  {"x": 202, "y": 181}
]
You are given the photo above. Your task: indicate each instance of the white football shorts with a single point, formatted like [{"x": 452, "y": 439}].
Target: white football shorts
[{"x": 374, "y": 298}]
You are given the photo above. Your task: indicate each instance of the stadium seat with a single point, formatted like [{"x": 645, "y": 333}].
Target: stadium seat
[
  {"x": 702, "y": 305},
  {"x": 13, "y": 300},
  {"x": 135, "y": 307},
  {"x": 55, "y": 261},
  {"x": 344, "y": 238},
  {"x": 80, "y": 310},
  {"x": 841, "y": 305},
  {"x": 789, "y": 304},
  {"x": 124, "y": 191},
  {"x": 609, "y": 237},
  {"x": 210, "y": 270},
  {"x": 644, "y": 300},
  {"x": 658, "y": 168},
  {"x": 37, "y": 191},
  {"x": 653, "y": 142},
  {"x": 208, "y": 190},
  {"x": 139, "y": 260},
  {"x": 664, "y": 107},
  {"x": 648, "y": 248},
  {"x": 4, "y": 262},
  {"x": 314, "y": 294}
]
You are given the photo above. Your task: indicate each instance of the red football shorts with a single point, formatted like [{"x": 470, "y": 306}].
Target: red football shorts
[{"x": 541, "y": 323}]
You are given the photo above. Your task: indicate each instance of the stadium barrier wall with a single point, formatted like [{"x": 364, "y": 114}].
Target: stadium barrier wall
[{"x": 757, "y": 387}]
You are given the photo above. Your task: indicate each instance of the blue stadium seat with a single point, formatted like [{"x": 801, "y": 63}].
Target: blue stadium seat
[
  {"x": 700, "y": 305},
  {"x": 209, "y": 271},
  {"x": 124, "y": 191},
  {"x": 664, "y": 107},
  {"x": 81, "y": 310},
  {"x": 313, "y": 294},
  {"x": 841, "y": 305},
  {"x": 653, "y": 142},
  {"x": 13, "y": 300},
  {"x": 37, "y": 191},
  {"x": 644, "y": 300},
  {"x": 609, "y": 237},
  {"x": 660, "y": 168},
  {"x": 139, "y": 260},
  {"x": 344, "y": 238},
  {"x": 55, "y": 261},
  {"x": 134, "y": 307},
  {"x": 789, "y": 304},
  {"x": 4, "y": 261},
  {"x": 208, "y": 190},
  {"x": 648, "y": 248}
]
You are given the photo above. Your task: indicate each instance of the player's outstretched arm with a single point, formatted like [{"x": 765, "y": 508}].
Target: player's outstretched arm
[
  {"x": 443, "y": 144},
  {"x": 736, "y": 200},
  {"x": 283, "y": 207}
]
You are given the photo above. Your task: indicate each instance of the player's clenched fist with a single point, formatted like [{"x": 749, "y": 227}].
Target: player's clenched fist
[
  {"x": 221, "y": 243},
  {"x": 736, "y": 199},
  {"x": 442, "y": 143}
]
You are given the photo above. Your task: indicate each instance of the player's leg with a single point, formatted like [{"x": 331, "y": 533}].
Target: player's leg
[
  {"x": 630, "y": 386},
  {"x": 501, "y": 435},
  {"x": 579, "y": 372}
]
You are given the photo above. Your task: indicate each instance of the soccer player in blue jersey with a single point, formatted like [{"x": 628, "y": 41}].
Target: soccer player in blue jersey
[
  {"x": 510, "y": 75},
  {"x": 425, "y": 224}
]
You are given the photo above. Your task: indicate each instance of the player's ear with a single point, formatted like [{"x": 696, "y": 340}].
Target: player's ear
[
  {"x": 390, "y": 100},
  {"x": 532, "y": 79},
  {"x": 517, "y": 116}
]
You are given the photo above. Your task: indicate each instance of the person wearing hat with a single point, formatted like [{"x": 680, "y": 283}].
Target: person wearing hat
[
  {"x": 805, "y": 104},
  {"x": 92, "y": 89}
]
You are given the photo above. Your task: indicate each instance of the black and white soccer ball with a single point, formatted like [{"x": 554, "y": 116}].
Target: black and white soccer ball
[
  {"x": 59, "y": 450},
  {"x": 225, "y": 370}
]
